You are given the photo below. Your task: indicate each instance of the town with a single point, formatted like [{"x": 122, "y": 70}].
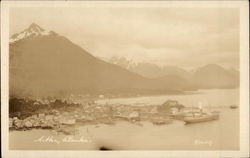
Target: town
[{"x": 58, "y": 114}]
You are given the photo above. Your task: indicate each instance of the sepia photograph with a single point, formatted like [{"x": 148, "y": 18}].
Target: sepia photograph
[{"x": 133, "y": 77}]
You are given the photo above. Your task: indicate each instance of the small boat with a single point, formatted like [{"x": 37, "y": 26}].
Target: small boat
[
  {"x": 68, "y": 121},
  {"x": 178, "y": 115},
  {"x": 204, "y": 117},
  {"x": 161, "y": 121},
  {"x": 233, "y": 106}
]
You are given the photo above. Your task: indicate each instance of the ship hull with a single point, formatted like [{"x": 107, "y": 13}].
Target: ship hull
[{"x": 201, "y": 119}]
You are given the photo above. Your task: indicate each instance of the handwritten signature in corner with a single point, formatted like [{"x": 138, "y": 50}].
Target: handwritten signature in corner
[{"x": 203, "y": 142}]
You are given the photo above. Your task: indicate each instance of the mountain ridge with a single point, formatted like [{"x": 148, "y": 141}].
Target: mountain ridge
[
  {"x": 48, "y": 64},
  {"x": 198, "y": 78},
  {"x": 44, "y": 63},
  {"x": 145, "y": 69}
]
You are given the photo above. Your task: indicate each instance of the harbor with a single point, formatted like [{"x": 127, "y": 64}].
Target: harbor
[
  {"x": 223, "y": 135},
  {"x": 91, "y": 113},
  {"x": 138, "y": 119}
]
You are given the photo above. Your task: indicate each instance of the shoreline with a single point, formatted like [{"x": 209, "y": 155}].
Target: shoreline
[
  {"x": 120, "y": 136},
  {"x": 51, "y": 113},
  {"x": 56, "y": 116}
]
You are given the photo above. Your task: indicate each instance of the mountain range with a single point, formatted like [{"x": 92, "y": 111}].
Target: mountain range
[
  {"x": 44, "y": 63},
  {"x": 47, "y": 64},
  {"x": 207, "y": 76},
  {"x": 148, "y": 70}
]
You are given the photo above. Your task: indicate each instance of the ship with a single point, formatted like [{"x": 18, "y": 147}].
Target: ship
[{"x": 201, "y": 117}]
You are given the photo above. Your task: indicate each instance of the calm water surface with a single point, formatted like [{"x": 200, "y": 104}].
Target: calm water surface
[
  {"x": 215, "y": 97},
  {"x": 222, "y": 134}
]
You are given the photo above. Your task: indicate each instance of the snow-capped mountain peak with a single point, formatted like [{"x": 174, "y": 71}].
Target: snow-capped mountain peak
[
  {"x": 31, "y": 31},
  {"x": 123, "y": 62}
]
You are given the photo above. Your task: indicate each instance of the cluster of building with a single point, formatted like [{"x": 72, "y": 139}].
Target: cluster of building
[{"x": 92, "y": 113}]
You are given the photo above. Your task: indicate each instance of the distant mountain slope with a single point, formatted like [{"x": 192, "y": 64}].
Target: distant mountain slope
[
  {"x": 179, "y": 82},
  {"x": 214, "y": 76},
  {"x": 148, "y": 70},
  {"x": 209, "y": 76},
  {"x": 45, "y": 63}
]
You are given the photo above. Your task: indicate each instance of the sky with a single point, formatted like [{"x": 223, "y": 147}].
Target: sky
[{"x": 184, "y": 37}]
